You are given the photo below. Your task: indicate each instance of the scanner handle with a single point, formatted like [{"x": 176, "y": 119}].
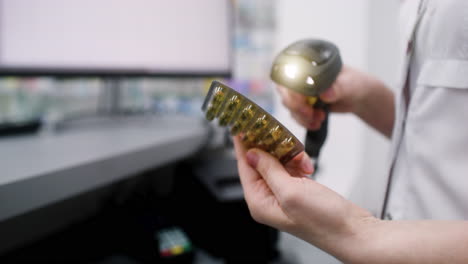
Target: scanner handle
[{"x": 315, "y": 139}]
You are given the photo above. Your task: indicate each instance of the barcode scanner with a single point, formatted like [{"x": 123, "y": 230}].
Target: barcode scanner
[{"x": 309, "y": 67}]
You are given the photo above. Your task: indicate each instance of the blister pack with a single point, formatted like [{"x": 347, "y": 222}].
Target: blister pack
[{"x": 257, "y": 128}]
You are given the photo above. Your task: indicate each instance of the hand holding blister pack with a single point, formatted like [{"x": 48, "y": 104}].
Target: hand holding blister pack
[{"x": 257, "y": 128}]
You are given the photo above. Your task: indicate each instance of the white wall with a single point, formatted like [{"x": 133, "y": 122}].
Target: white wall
[
  {"x": 382, "y": 61},
  {"x": 353, "y": 153}
]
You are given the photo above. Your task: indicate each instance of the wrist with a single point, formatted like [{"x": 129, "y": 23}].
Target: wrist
[
  {"x": 355, "y": 243},
  {"x": 359, "y": 247},
  {"x": 363, "y": 95}
]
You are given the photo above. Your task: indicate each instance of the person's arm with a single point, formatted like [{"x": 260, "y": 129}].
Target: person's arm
[
  {"x": 279, "y": 196},
  {"x": 352, "y": 92},
  {"x": 425, "y": 241}
]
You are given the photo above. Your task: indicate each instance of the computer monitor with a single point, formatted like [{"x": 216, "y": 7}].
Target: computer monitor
[{"x": 115, "y": 37}]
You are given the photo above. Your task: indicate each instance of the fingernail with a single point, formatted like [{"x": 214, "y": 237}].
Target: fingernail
[
  {"x": 328, "y": 95},
  {"x": 252, "y": 159},
  {"x": 307, "y": 166}
]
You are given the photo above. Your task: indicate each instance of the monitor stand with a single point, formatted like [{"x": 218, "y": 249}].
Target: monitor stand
[
  {"x": 109, "y": 111},
  {"x": 110, "y": 98}
]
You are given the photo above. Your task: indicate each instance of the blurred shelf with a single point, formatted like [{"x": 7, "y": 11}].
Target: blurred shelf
[{"x": 37, "y": 170}]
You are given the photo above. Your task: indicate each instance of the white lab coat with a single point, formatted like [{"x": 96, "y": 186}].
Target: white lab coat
[{"x": 429, "y": 156}]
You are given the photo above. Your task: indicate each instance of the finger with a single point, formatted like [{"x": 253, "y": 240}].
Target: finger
[
  {"x": 319, "y": 115},
  {"x": 288, "y": 93},
  {"x": 270, "y": 169},
  {"x": 330, "y": 95},
  {"x": 306, "y": 112},
  {"x": 261, "y": 202},
  {"x": 300, "y": 165},
  {"x": 239, "y": 148},
  {"x": 247, "y": 174},
  {"x": 294, "y": 101},
  {"x": 336, "y": 91},
  {"x": 310, "y": 125},
  {"x": 303, "y": 122},
  {"x": 314, "y": 126}
]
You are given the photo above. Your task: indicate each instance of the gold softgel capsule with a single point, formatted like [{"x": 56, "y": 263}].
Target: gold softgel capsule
[
  {"x": 284, "y": 147},
  {"x": 218, "y": 98},
  {"x": 230, "y": 110},
  {"x": 272, "y": 136},
  {"x": 258, "y": 129},
  {"x": 245, "y": 116},
  {"x": 255, "y": 132}
]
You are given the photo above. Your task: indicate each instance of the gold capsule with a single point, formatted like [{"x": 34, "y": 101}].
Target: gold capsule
[
  {"x": 210, "y": 113},
  {"x": 225, "y": 118},
  {"x": 243, "y": 120},
  {"x": 260, "y": 124},
  {"x": 256, "y": 130},
  {"x": 230, "y": 110},
  {"x": 272, "y": 136},
  {"x": 236, "y": 128},
  {"x": 218, "y": 96},
  {"x": 216, "y": 103},
  {"x": 284, "y": 147}
]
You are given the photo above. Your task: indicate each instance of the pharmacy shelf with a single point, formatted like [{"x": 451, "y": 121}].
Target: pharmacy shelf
[{"x": 42, "y": 169}]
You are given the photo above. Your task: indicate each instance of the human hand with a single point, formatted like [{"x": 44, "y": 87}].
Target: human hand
[
  {"x": 280, "y": 196},
  {"x": 343, "y": 96}
]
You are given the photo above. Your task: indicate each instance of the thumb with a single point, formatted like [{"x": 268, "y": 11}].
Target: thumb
[
  {"x": 271, "y": 170},
  {"x": 330, "y": 95}
]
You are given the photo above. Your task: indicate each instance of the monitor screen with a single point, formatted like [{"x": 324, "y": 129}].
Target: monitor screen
[{"x": 123, "y": 37}]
